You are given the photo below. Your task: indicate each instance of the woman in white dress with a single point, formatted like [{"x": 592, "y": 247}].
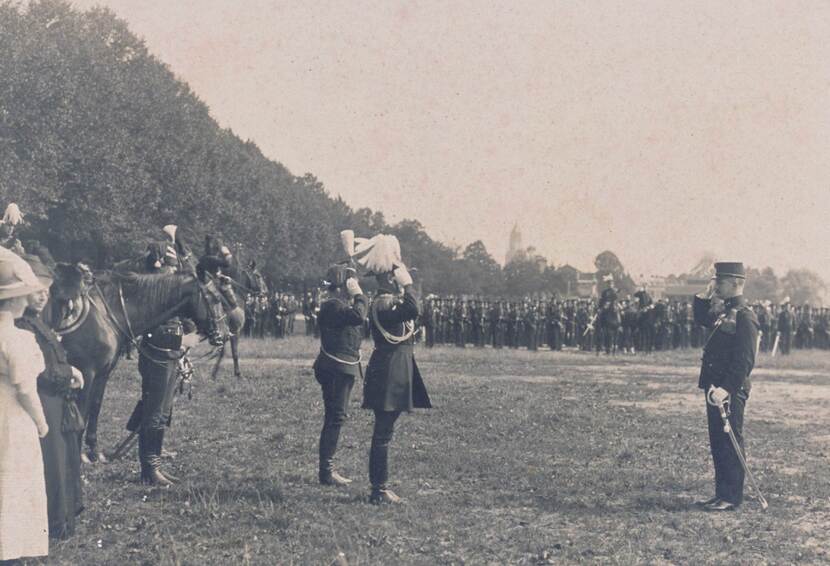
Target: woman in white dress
[{"x": 24, "y": 526}]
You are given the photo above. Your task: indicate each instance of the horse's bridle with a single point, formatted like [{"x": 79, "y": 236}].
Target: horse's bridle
[{"x": 214, "y": 336}]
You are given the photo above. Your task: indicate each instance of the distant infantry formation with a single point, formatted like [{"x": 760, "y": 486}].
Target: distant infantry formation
[{"x": 639, "y": 324}]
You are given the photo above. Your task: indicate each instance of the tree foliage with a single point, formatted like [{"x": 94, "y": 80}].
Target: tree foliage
[{"x": 101, "y": 145}]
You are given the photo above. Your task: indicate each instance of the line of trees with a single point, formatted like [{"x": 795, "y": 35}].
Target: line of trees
[{"x": 101, "y": 145}]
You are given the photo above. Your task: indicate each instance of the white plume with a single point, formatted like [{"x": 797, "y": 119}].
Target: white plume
[
  {"x": 13, "y": 215},
  {"x": 380, "y": 254}
]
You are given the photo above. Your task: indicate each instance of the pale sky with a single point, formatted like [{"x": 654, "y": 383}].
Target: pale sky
[{"x": 658, "y": 130}]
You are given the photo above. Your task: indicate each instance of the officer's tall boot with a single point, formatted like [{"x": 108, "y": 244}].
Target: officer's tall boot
[
  {"x": 149, "y": 454},
  {"x": 378, "y": 475},
  {"x": 328, "y": 446},
  {"x": 159, "y": 439}
]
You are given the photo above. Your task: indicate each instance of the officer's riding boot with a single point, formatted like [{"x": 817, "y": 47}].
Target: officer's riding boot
[
  {"x": 378, "y": 474},
  {"x": 149, "y": 450},
  {"x": 159, "y": 439},
  {"x": 328, "y": 445}
]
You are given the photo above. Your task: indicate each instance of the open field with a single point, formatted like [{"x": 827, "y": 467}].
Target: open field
[{"x": 528, "y": 458}]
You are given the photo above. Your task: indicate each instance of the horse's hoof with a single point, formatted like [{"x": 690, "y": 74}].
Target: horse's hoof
[{"x": 101, "y": 458}]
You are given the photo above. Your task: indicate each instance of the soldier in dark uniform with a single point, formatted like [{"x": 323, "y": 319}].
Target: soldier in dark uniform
[
  {"x": 160, "y": 350},
  {"x": 460, "y": 320},
  {"x": 341, "y": 321},
  {"x": 785, "y": 327},
  {"x": 476, "y": 329},
  {"x": 531, "y": 323},
  {"x": 393, "y": 383},
  {"x": 728, "y": 359}
]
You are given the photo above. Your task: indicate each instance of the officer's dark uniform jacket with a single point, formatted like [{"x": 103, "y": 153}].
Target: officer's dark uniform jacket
[
  {"x": 341, "y": 331},
  {"x": 159, "y": 351},
  {"x": 393, "y": 382},
  {"x": 729, "y": 353}
]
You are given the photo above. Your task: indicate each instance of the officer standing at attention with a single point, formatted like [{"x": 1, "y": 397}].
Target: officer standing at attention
[{"x": 728, "y": 359}]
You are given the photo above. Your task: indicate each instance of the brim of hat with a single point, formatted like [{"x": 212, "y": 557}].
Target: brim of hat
[
  {"x": 727, "y": 275},
  {"x": 21, "y": 291}
]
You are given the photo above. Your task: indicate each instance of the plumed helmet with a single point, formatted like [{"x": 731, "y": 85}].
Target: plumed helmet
[{"x": 380, "y": 254}]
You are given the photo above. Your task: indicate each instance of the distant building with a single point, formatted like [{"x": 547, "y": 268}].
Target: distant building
[
  {"x": 515, "y": 246},
  {"x": 685, "y": 289},
  {"x": 586, "y": 285}
]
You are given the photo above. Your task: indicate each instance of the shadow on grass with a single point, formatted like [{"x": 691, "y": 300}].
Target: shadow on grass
[
  {"x": 657, "y": 502},
  {"x": 257, "y": 490}
]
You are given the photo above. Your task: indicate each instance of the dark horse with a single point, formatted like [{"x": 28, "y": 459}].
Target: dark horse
[
  {"x": 109, "y": 313},
  {"x": 608, "y": 327},
  {"x": 235, "y": 291}
]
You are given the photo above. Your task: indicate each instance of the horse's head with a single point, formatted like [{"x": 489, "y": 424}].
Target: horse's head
[
  {"x": 69, "y": 282},
  {"x": 209, "y": 312},
  {"x": 210, "y": 268}
]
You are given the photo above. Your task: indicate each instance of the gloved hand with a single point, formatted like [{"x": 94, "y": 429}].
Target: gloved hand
[
  {"x": 77, "y": 381},
  {"x": 353, "y": 287},
  {"x": 709, "y": 292},
  {"x": 402, "y": 276},
  {"x": 718, "y": 395}
]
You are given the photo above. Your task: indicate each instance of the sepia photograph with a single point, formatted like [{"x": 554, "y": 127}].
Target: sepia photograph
[{"x": 408, "y": 282}]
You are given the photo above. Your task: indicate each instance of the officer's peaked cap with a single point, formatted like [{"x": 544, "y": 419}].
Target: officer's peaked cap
[{"x": 730, "y": 269}]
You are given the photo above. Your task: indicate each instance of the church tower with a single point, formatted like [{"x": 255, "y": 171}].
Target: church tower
[{"x": 515, "y": 246}]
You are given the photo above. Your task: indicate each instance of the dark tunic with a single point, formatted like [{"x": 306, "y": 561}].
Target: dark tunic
[
  {"x": 393, "y": 382},
  {"x": 341, "y": 331},
  {"x": 729, "y": 354},
  {"x": 61, "y": 447}
]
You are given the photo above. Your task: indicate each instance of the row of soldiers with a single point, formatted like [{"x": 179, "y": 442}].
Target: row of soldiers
[
  {"x": 270, "y": 315},
  {"x": 644, "y": 325},
  {"x": 788, "y": 326}
]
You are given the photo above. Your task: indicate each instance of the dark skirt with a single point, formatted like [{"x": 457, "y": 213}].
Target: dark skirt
[
  {"x": 62, "y": 468},
  {"x": 393, "y": 381}
]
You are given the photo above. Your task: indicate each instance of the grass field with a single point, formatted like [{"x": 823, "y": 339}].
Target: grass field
[{"x": 527, "y": 458}]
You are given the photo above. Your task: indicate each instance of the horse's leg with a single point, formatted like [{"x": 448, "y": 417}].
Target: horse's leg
[
  {"x": 235, "y": 354},
  {"x": 94, "y": 402}
]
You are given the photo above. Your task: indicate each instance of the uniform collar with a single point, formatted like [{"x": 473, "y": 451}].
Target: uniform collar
[{"x": 735, "y": 302}]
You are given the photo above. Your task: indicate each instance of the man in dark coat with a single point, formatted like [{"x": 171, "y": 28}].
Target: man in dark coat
[
  {"x": 393, "y": 383},
  {"x": 728, "y": 359},
  {"x": 338, "y": 363}
]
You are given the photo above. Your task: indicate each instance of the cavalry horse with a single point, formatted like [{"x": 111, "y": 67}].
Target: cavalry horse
[
  {"x": 608, "y": 327},
  {"x": 235, "y": 293},
  {"x": 98, "y": 319}
]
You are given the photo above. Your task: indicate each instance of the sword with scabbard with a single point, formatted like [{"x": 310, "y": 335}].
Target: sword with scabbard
[{"x": 723, "y": 409}]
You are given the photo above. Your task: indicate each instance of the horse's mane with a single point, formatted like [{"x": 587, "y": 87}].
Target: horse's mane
[{"x": 149, "y": 288}]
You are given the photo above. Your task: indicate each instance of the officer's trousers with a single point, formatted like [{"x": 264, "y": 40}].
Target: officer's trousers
[
  {"x": 729, "y": 474},
  {"x": 379, "y": 452},
  {"x": 337, "y": 389}
]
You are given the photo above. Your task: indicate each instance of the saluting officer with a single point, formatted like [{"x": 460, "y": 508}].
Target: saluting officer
[
  {"x": 728, "y": 359},
  {"x": 393, "y": 383},
  {"x": 341, "y": 332}
]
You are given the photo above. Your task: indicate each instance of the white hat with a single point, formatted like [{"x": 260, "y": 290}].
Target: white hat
[{"x": 16, "y": 276}]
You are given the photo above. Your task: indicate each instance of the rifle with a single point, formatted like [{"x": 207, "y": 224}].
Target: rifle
[
  {"x": 775, "y": 344},
  {"x": 590, "y": 326}
]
